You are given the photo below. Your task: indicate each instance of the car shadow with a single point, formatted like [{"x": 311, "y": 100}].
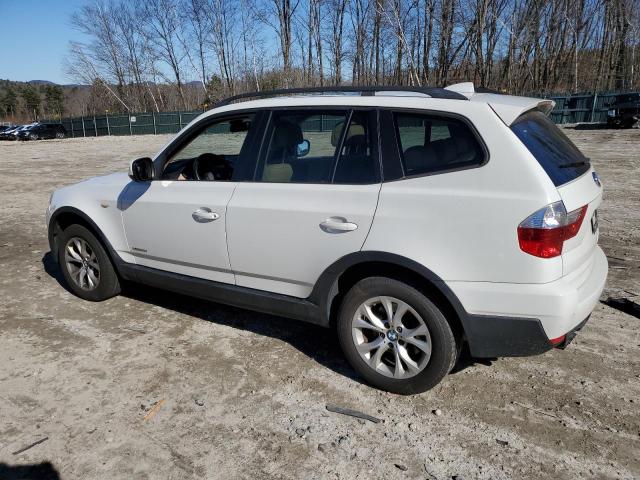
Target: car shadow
[
  {"x": 131, "y": 192},
  {"x": 319, "y": 343},
  {"x": 51, "y": 268},
  {"x": 465, "y": 360},
  {"x": 40, "y": 471}
]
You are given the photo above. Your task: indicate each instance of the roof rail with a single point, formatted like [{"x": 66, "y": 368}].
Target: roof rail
[{"x": 433, "y": 92}]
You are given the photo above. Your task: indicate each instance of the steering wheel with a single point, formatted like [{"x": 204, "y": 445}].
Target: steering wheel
[{"x": 210, "y": 167}]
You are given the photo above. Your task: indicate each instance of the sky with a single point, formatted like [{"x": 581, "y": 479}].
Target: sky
[{"x": 34, "y": 39}]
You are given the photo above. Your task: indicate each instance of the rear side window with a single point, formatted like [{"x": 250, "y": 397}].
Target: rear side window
[
  {"x": 314, "y": 146},
  {"x": 357, "y": 162},
  {"x": 430, "y": 144},
  {"x": 553, "y": 150},
  {"x": 302, "y": 146}
]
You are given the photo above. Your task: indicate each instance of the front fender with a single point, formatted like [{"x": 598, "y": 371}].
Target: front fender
[
  {"x": 96, "y": 203},
  {"x": 68, "y": 212}
]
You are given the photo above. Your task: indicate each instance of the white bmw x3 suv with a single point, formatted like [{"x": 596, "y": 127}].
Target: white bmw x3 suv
[{"x": 415, "y": 221}]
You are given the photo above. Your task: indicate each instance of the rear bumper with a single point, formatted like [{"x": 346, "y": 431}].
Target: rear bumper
[
  {"x": 519, "y": 319},
  {"x": 568, "y": 338}
]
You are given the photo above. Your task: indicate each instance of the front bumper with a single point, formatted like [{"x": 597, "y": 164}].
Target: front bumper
[{"x": 520, "y": 319}]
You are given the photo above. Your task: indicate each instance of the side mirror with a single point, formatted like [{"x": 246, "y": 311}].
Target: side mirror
[
  {"x": 303, "y": 148},
  {"x": 141, "y": 170}
]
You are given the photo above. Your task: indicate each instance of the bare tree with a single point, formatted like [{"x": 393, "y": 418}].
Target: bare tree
[
  {"x": 336, "y": 9},
  {"x": 163, "y": 23},
  {"x": 283, "y": 12},
  {"x": 146, "y": 54},
  {"x": 197, "y": 22}
]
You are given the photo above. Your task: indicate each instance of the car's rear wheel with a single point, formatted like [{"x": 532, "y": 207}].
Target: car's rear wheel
[
  {"x": 395, "y": 337},
  {"x": 60, "y": 135},
  {"x": 85, "y": 265}
]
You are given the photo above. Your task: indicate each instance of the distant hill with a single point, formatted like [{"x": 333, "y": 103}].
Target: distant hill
[{"x": 41, "y": 82}]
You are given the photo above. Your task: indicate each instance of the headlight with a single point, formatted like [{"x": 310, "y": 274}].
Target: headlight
[{"x": 611, "y": 113}]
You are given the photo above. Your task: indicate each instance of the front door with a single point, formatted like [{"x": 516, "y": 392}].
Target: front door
[
  {"x": 312, "y": 199},
  {"x": 177, "y": 222}
]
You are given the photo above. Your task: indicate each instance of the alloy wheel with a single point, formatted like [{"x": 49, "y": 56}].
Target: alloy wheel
[
  {"x": 391, "y": 337},
  {"x": 82, "y": 263}
]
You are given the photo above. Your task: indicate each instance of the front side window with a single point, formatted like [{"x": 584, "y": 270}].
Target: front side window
[
  {"x": 212, "y": 154},
  {"x": 430, "y": 144}
]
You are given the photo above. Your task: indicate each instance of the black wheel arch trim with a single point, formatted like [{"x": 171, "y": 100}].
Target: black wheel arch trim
[
  {"x": 486, "y": 335},
  {"x": 85, "y": 218},
  {"x": 326, "y": 286}
]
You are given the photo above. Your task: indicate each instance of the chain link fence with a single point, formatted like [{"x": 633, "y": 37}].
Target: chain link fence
[
  {"x": 582, "y": 108},
  {"x": 131, "y": 124}
]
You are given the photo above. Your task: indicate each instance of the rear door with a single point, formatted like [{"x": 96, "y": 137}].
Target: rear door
[
  {"x": 573, "y": 176},
  {"x": 311, "y": 201}
]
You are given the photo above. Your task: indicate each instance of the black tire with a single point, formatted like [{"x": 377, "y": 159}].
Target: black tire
[
  {"x": 108, "y": 285},
  {"x": 444, "y": 349}
]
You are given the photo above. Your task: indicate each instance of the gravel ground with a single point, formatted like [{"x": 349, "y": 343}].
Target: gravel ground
[{"x": 151, "y": 385}]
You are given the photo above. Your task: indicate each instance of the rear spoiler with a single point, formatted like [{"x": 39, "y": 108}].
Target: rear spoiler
[{"x": 507, "y": 107}]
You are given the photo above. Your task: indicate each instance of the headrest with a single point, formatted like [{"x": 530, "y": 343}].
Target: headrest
[
  {"x": 354, "y": 129},
  {"x": 419, "y": 158},
  {"x": 286, "y": 135},
  {"x": 277, "y": 173}
]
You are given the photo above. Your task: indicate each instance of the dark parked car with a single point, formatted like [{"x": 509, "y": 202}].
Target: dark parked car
[
  {"x": 10, "y": 133},
  {"x": 625, "y": 112},
  {"x": 42, "y": 130}
]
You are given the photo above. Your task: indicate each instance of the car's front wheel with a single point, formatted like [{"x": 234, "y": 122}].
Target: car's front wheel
[
  {"x": 395, "y": 337},
  {"x": 33, "y": 136},
  {"x": 85, "y": 265},
  {"x": 59, "y": 135}
]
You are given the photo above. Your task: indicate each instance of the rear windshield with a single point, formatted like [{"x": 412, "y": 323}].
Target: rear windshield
[{"x": 559, "y": 157}]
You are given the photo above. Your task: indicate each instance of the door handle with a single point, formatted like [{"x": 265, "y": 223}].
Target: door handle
[
  {"x": 204, "y": 215},
  {"x": 337, "y": 225}
]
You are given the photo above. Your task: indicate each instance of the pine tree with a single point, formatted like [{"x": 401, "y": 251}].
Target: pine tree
[
  {"x": 8, "y": 101},
  {"x": 54, "y": 100},
  {"x": 31, "y": 99}
]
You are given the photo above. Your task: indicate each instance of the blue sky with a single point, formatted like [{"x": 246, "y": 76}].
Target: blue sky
[{"x": 34, "y": 38}]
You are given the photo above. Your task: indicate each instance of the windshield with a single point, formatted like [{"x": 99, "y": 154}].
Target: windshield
[{"x": 553, "y": 150}]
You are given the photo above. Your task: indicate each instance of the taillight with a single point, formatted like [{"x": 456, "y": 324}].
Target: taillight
[{"x": 543, "y": 233}]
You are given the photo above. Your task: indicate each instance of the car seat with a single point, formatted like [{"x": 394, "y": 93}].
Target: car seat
[{"x": 286, "y": 138}]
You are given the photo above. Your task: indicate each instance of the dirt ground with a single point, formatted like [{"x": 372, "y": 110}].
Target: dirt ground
[{"x": 151, "y": 385}]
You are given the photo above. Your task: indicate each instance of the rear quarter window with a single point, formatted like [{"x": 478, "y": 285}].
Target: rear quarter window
[
  {"x": 554, "y": 151},
  {"x": 431, "y": 144}
]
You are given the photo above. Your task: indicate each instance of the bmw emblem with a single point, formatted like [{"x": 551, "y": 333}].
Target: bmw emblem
[{"x": 596, "y": 179}]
